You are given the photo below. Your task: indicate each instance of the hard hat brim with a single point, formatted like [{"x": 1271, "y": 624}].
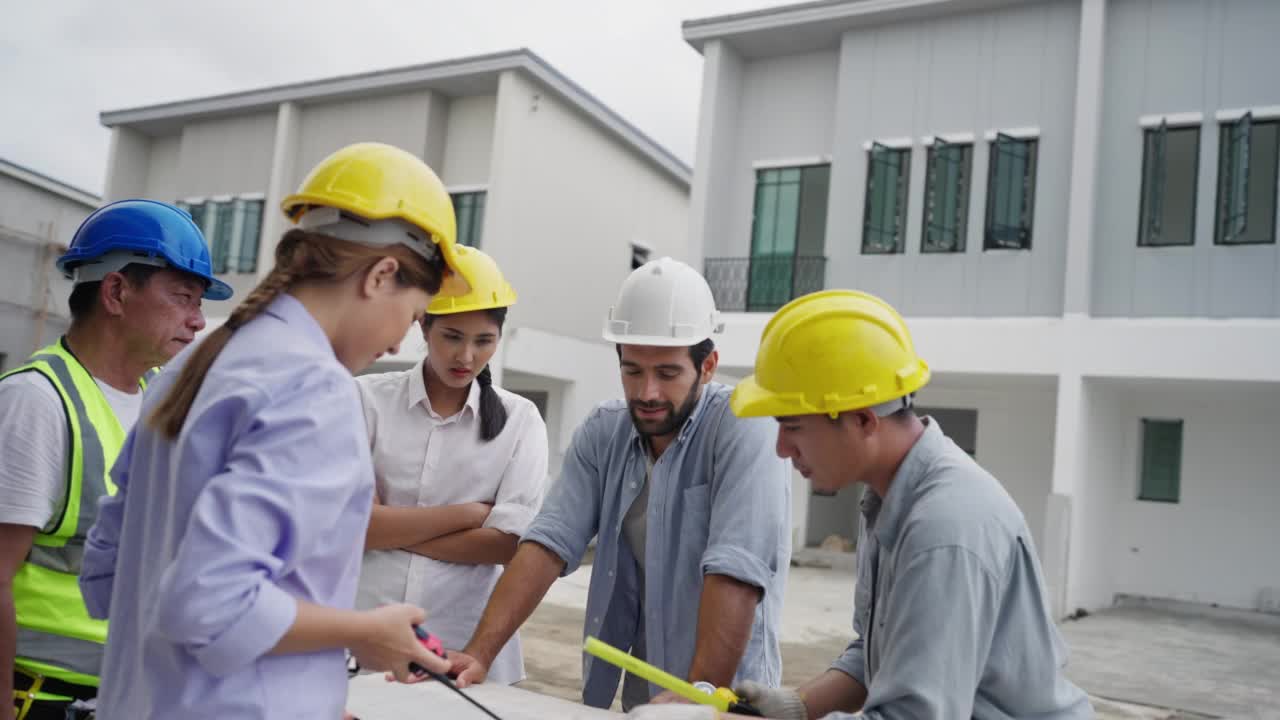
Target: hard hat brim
[
  {"x": 651, "y": 340},
  {"x": 456, "y": 305},
  {"x": 750, "y": 399},
  {"x": 217, "y": 289}
]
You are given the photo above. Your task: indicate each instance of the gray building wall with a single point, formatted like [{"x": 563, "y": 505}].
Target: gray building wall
[
  {"x": 975, "y": 73},
  {"x": 785, "y": 111},
  {"x": 223, "y": 156},
  {"x": 564, "y": 193},
  {"x": 35, "y": 225},
  {"x": 399, "y": 120},
  {"x": 162, "y": 175},
  {"x": 714, "y": 182},
  {"x": 1006, "y": 69},
  {"x": 562, "y": 241},
  {"x": 1180, "y": 56},
  {"x": 128, "y": 165},
  {"x": 468, "y": 151}
]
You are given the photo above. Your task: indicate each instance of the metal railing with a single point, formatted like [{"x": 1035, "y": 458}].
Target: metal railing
[{"x": 764, "y": 283}]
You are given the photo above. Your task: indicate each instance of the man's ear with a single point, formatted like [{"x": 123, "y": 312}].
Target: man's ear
[
  {"x": 112, "y": 292},
  {"x": 865, "y": 421},
  {"x": 709, "y": 366}
]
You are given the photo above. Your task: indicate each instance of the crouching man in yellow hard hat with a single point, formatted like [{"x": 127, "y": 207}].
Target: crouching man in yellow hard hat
[{"x": 949, "y": 611}]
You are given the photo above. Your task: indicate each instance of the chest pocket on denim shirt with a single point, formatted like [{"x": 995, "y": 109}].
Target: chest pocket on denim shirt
[
  {"x": 697, "y": 511},
  {"x": 694, "y": 526}
]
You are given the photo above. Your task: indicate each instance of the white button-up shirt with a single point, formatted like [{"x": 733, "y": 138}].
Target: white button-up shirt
[{"x": 423, "y": 459}]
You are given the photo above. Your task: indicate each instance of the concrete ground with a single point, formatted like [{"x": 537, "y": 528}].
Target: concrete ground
[
  {"x": 1143, "y": 664},
  {"x": 1215, "y": 666}
]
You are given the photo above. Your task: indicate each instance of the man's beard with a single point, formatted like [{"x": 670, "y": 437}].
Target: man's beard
[{"x": 675, "y": 418}]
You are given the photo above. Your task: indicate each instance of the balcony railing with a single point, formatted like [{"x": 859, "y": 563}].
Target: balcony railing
[{"x": 765, "y": 283}]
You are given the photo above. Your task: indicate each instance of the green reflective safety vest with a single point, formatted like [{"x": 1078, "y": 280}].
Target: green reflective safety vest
[{"x": 56, "y": 636}]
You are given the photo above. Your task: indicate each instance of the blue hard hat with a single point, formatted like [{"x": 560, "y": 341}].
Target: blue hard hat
[{"x": 149, "y": 231}]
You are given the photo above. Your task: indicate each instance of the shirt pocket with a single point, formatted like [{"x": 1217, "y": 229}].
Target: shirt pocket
[
  {"x": 693, "y": 525},
  {"x": 399, "y": 473},
  {"x": 697, "y": 508}
]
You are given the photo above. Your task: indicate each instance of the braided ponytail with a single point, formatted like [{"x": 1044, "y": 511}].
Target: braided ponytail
[
  {"x": 301, "y": 256},
  {"x": 493, "y": 414}
]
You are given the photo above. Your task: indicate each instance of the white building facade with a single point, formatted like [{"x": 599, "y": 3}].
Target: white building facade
[
  {"x": 38, "y": 217},
  {"x": 558, "y": 188},
  {"x": 1073, "y": 202}
]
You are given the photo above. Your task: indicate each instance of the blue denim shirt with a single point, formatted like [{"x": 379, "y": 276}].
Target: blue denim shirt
[{"x": 719, "y": 503}]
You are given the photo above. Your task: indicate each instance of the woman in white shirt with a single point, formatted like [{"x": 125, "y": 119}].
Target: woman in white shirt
[{"x": 460, "y": 465}]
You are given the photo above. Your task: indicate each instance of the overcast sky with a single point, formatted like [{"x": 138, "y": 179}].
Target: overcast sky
[{"x": 64, "y": 61}]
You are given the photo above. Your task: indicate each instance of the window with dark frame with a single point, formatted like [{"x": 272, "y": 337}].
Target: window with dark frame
[
  {"x": 221, "y": 235},
  {"x": 232, "y": 229},
  {"x": 197, "y": 212},
  {"x": 249, "y": 229},
  {"x": 1170, "y": 167},
  {"x": 1011, "y": 193},
  {"x": 1161, "y": 461},
  {"x": 788, "y": 234},
  {"x": 884, "y": 224},
  {"x": 1248, "y": 159},
  {"x": 946, "y": 197},
  {"x": 468, "y": 207}
]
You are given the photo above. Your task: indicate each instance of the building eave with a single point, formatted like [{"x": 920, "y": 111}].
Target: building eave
[{"x": 451, "y": 77}]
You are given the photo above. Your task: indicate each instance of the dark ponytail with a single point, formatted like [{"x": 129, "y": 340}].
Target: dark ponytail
[{"x": 493, "y": 414}]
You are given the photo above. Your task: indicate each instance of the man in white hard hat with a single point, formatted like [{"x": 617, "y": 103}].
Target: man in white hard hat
[{"x": 688, "y": 503}]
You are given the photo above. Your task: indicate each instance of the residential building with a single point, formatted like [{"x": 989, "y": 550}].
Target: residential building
[
  {"x": 1073, "y": 202},
  {"x": 38, "y": 217},
  {"x": 563, "y": 192}
]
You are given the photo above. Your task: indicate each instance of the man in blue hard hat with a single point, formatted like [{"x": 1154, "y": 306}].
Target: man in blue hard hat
[{"x": 139, "y": 270}]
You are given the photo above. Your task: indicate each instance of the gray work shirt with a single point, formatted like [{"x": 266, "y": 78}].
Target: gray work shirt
[
  {"x": 719, "y": 503},
  {"x": 949, "y": 609},
  {"x": 635, "y": 690}
]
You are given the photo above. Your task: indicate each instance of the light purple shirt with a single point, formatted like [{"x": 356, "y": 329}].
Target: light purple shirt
[{"x": 200, "y": 557}]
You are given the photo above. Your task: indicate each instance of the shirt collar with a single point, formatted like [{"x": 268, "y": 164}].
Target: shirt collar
[
  {"x": 289, "y": 310},
  {"x": 893, "y": 508},
  {"x": 418, "y": 392},
  {"x": 707, "y": 390}
]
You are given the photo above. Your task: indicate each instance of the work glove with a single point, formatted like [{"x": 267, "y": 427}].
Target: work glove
[{"x": 779, "y": 703}]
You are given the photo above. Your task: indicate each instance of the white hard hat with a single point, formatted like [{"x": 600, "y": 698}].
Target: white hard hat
[{"x": 663, "y": 302}]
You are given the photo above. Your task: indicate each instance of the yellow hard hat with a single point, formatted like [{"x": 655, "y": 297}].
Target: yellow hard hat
[
  {"x": 829, "y": 352},
  {"x": 379, "y": 182},
  {"x": 489, "y": 289}
]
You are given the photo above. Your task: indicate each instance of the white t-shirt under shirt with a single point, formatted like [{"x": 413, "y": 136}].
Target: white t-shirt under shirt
[{"x": 33, "y": 443}]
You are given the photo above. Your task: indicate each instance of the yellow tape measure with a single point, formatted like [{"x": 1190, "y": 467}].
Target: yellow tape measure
[{"x": 723, "y": 699}]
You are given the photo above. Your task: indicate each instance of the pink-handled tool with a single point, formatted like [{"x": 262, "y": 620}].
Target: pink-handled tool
[{"x": 432, "y": 643}]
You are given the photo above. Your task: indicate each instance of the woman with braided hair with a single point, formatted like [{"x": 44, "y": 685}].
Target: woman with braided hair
[
  {"x": 460, "y": 466},
  {"x": 228, "y": 560}
]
